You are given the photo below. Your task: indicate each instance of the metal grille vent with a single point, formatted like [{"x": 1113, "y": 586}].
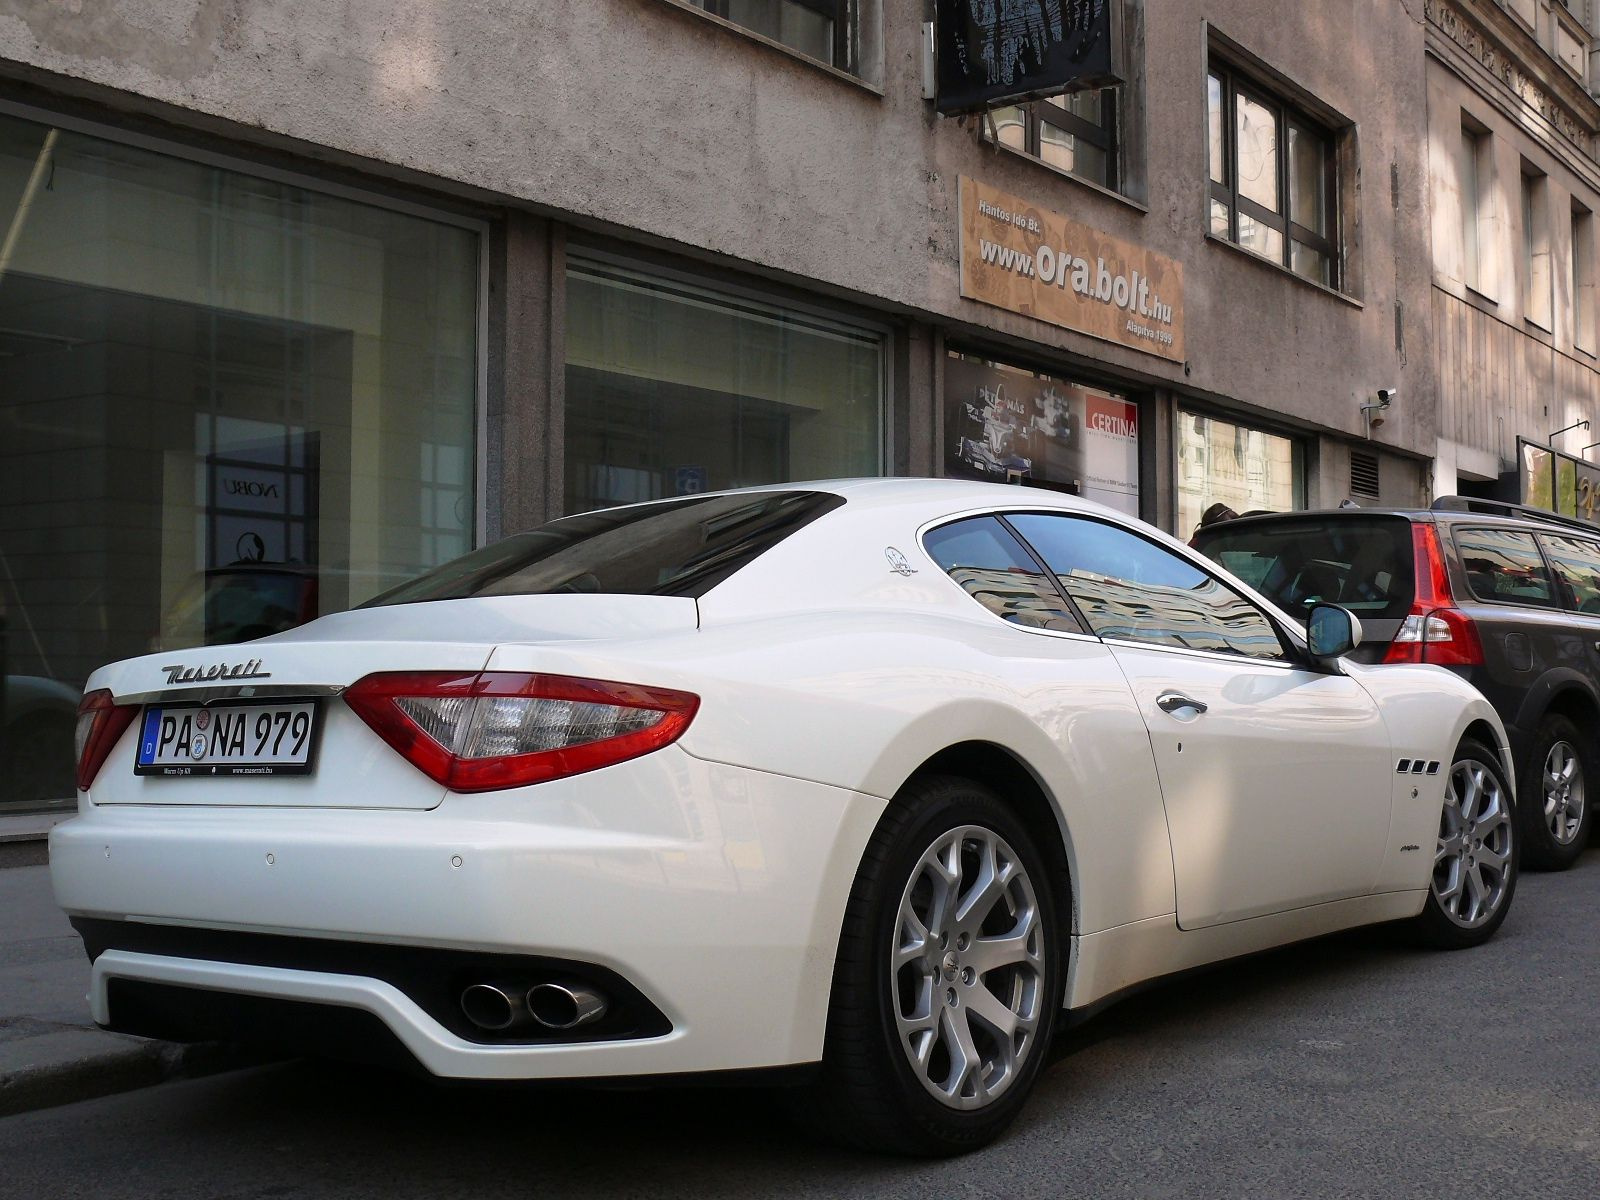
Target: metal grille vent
[{"x": 1363, "y": 474}]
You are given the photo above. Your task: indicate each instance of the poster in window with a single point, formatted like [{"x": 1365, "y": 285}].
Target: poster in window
[
  {"x": 1007, "y": 425},
  {"x": 991, "y": 52}
]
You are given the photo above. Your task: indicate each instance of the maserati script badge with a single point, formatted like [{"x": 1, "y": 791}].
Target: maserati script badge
[{"x": 244, "y": 670}]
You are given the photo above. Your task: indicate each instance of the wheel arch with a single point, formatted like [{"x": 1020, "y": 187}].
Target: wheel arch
[
  {"x": 1020, "y": 786},
  {"x": 1564, "y": 691}
]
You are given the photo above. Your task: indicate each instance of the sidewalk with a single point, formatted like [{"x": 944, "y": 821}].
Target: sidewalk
[{"x": 50, "y": 1051}]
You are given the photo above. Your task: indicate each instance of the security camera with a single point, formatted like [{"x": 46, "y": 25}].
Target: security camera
[{"x": 1386, "y": 396}]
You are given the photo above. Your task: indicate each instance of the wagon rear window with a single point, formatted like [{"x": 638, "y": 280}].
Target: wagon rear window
[
  {"x": 675, "y": 548},
  {"x": 1364, "y": 563}
]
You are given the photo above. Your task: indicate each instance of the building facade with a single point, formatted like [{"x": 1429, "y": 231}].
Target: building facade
[{"x": 297, "y": 300}]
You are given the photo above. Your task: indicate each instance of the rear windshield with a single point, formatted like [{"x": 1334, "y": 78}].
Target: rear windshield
[
  {"x": 675, "y": 548},
  {"x": 1363, "y": 563}
]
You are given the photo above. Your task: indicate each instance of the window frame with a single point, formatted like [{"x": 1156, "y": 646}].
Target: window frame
[
  {"x": 842, "y": 13},
  {"x": 1048, "y": 576},
  {"x": 1294, "y": 657},
  {"x": 1233, "y": 83},
  {"x": 1105, "y": 137}
]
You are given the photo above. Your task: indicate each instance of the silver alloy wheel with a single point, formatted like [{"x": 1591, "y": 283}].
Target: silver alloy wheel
[
  {"x": 1563, "y": 793},
  {"x": 968, "y": 969},
  {"x": 1472, "y": 865}
]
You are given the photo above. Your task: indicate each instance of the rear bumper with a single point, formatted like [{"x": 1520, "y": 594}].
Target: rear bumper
[{"x": 716, "y": 892}]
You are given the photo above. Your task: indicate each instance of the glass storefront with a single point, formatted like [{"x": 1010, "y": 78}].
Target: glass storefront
[
  {"x": 1220, "y": 462},
  {"x": 675, "y": 388},
  {"x": 1007, "y": 424},
  {"x": 227, "y": 405}
]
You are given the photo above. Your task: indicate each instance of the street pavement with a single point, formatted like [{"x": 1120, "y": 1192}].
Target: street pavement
[{"x": 1350, "y": 1067}]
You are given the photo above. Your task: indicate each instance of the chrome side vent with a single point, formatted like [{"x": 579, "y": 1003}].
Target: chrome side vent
[
  {"x": 1417, "y": 766},
  {"x": 1405, "y": 765}
]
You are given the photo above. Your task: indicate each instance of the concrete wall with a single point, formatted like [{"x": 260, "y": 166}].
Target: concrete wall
[{"x": 642, "y": 118}]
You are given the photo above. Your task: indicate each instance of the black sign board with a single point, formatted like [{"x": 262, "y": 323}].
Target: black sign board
[{"x": 996, "y": 51}]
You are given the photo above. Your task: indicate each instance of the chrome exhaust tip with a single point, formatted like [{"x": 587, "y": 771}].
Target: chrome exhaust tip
[
  {"x": 563, "y": 1006},
  {"x": 494, "y": 1007}
]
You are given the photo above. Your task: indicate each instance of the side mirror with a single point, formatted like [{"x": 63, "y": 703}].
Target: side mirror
[{"x": 1332, "y": 631}]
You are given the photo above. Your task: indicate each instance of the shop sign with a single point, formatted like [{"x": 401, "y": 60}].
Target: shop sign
[
  {"x": 998, "y": 51},
  {"x": 1014, "y": 426},
  {"x": 1037, "y": 262}
]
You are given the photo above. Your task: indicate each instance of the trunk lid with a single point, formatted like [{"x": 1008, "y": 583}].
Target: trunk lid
[{"x": 350, "y": 766}]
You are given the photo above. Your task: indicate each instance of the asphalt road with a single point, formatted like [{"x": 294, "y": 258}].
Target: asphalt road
[{"x": 1349, "y": 1067}]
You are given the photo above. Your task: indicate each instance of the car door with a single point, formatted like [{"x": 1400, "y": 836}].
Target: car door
[{"x": 1276, "y": 777}]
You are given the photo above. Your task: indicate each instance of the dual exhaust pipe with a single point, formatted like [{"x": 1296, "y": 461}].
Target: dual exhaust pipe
[{"x": 506, "y": 1008}]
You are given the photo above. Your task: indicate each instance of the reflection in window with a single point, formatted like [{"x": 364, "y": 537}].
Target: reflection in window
[
  {"x": 1076, "y": 133},
  {"x": 674, "y": 389},
  {"x": 218, "y": 393},
  {"x": 1504, "y": 564},
  {"x": 1223, "y": 462},
  {"x": 1271, "y": 177},
  {"x": 1132, "y": 589},
  {"x": 1577, "y": 562},
  {"x": 817, "y": 28},
  {"x": 993, "y": 568}
]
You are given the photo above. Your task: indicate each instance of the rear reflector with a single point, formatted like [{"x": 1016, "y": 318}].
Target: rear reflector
[
  {"x": 101, "y": 723},
  {"x": 503, "y": 729}
]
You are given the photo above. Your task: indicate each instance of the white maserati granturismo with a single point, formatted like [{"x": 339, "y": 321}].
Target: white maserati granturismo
[{"x": 882, "y": 781}]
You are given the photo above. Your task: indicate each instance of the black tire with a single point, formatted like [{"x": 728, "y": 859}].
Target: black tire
[
  {"x": 868, "y": 1093},
  {"x": 1537, "y": 800},
  {"x": 1490, "y": 851}
]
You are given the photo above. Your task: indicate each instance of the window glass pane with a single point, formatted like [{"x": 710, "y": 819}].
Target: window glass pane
[
  {"x": 1061, "y": 149},
  {"x": 674, "y": 389},
  {"x": 1577, "y": 563},
  {"x": 1256, "y": 151},
  {"x": 1502, "y": 564},
  {"x": 1088, "y": 105},
  {"x": 1303, "y": 260},
  {"x": 1259, "y": 236},
  {"x": 798, "y": 26},
  {"x": 1308, "y": 193},
  {"x": 230, "y": 405},
  {"x": 1130, "y": 588},
  {"x": 1219, "y": 219},
  {"x": 1218, "y": 128},
  {"x": 677, "y": 548},
  {"x": 1011, "y": 126},
  {"x": 1363, "y": 563},
  {"x": 1220, "y": 462},
  {"x": 994, "y": 569}
]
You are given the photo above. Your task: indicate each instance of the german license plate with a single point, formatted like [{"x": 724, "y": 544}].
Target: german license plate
[{"x": 227, "y": 739}]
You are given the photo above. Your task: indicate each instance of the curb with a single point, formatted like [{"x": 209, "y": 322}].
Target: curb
[{"x": 86, "y": 1064}]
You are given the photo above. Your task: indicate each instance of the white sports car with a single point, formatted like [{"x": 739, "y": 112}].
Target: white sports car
[{"x": 881, "y": 780}]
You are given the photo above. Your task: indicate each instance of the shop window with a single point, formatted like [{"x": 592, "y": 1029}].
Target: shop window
[
  {"x": 227, "y": 405},
  {"x": 1234, "y": 466},
  {"x": 1273, "y": 177},
  {"x": 675, "y": 388},
  {"x": 819, "y": 29},
  {"x": 1008, "y": 424},
  {"x": 1076, "y": 133}
]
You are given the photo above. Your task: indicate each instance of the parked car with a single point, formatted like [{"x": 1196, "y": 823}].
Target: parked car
[
  {"x": 874, "y": 780},
  {"x": 1505, "y": 596}
]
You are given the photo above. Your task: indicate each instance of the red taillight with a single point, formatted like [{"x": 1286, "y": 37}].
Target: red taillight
[
  {"x": 101, "y": 722},
  {"x": 502, "y": 729},
  {"x": 1434, "y": 631}
]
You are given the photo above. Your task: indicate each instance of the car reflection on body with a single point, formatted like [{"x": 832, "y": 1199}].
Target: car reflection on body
[{"x": 872, "y": 779}]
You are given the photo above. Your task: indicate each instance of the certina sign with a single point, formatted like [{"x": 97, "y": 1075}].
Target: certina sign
[{"x": 1040, "y": 263}]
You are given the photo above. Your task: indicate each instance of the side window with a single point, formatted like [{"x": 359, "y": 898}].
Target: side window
[
  {"x": 1504, "y": 565},
  {"x": 1577, "y": 565},
  {"x": 992, "y": 567},
  {"x": 1129, "y": 588}
]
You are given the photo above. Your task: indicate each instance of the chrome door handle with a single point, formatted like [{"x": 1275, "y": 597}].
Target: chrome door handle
[{"x": 1172, "y": 701}]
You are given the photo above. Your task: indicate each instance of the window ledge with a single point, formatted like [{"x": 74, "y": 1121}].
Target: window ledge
[
  {"x": 1335, "y": 293},
  {"x": 1058, "y": 172},
  {"x": 762, "y": 39}
]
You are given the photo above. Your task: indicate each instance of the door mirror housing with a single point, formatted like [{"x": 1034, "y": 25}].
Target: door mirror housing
[{"x": 1332, "y": 631}]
